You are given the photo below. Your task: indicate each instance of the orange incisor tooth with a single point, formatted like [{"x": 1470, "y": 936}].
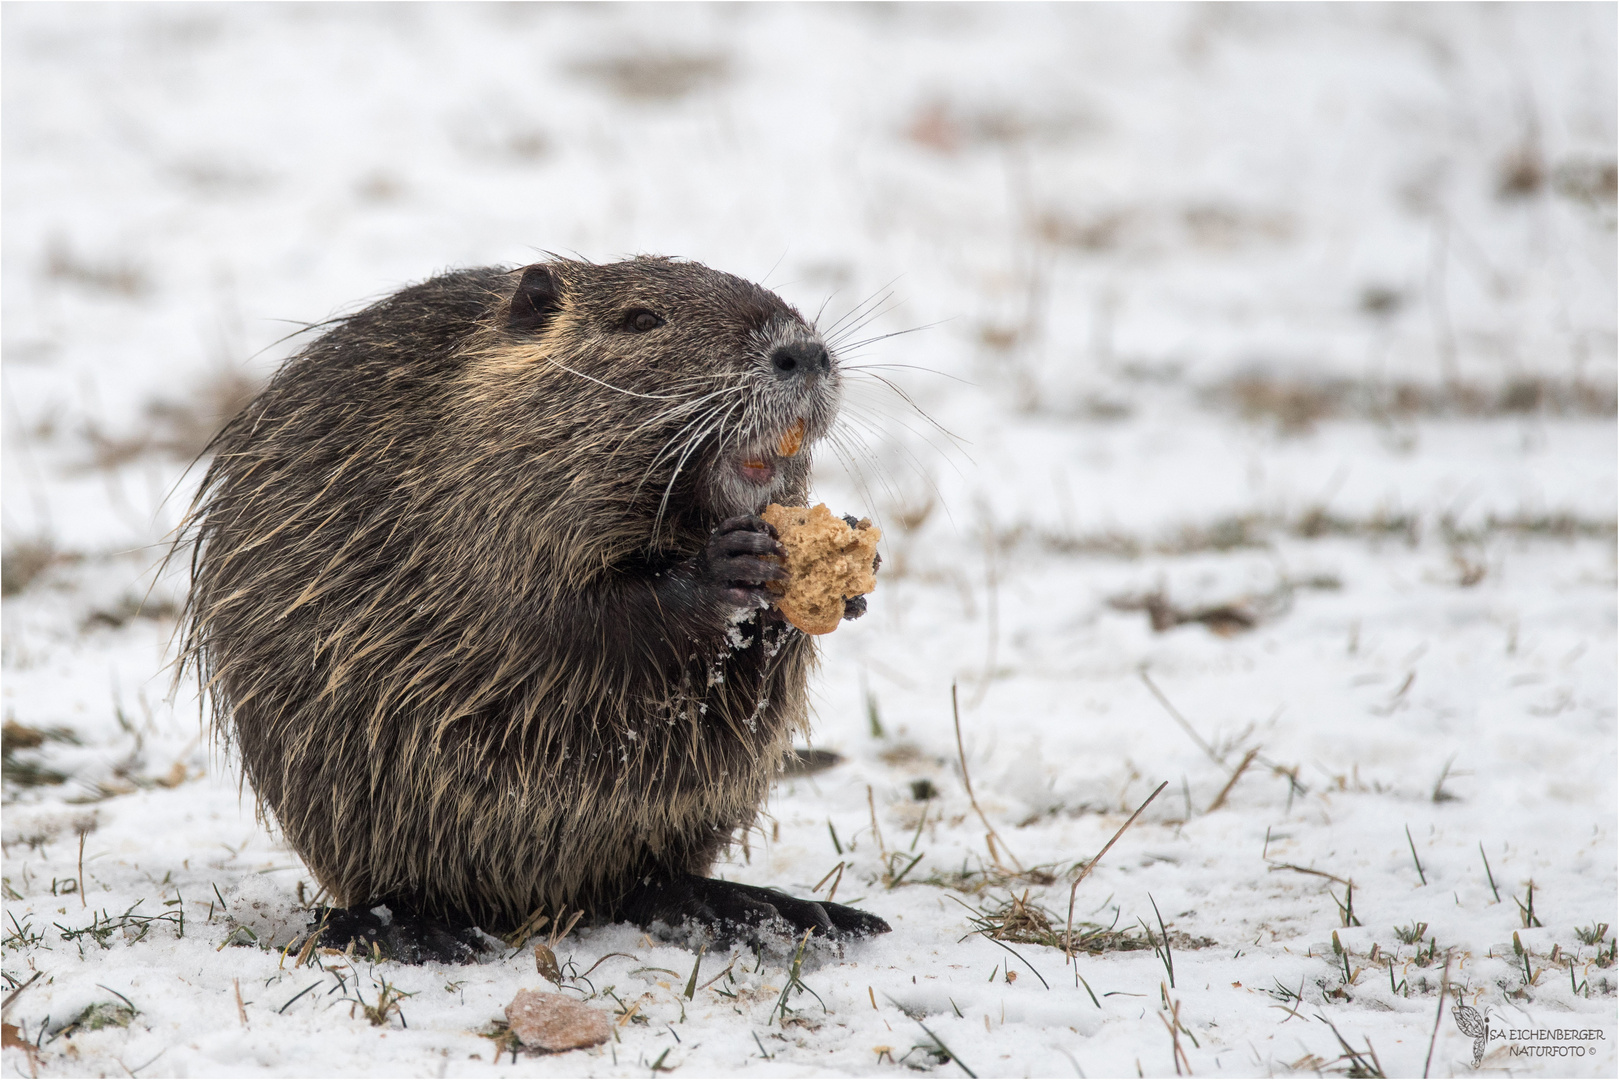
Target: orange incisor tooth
[{"x": 792, "y": 440}]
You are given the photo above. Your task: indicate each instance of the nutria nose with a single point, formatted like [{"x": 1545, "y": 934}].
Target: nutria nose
[{"x": 801, "y": 360}]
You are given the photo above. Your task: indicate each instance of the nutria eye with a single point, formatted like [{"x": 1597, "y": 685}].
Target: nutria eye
[{"x": 641, "y": 320}]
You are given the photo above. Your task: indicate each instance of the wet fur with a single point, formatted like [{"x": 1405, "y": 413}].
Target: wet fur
[{"x": 430, "y": 601}]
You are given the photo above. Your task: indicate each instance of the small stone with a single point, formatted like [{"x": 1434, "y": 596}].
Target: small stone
[{"x": 554, "y": 1022}]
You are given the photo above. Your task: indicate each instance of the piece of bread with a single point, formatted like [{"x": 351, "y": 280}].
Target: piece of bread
[{"x": 828, "y": 563}]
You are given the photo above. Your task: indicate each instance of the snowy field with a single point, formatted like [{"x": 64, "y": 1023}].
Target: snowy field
[{"x": 1267, "y": 358}]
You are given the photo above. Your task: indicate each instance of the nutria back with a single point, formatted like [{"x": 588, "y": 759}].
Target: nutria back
[{"x": 452, "y": 598}]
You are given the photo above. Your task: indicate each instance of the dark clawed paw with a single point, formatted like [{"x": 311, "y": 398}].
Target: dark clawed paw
[
  {"x": 405, "y": 937},
  {"x": 730, "y": 911},
  {"x": 876, "y": 556},
  {"x": 741, "y": 558},
  {"x": 854, "y": 607}
]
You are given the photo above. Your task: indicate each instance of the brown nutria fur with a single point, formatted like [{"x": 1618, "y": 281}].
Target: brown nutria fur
[{"x": 477, "y": 589}]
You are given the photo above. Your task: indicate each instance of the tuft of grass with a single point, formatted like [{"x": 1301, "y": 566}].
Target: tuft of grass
[
  {"x": 1412, "y": 934},
  {"x": 22, "y": 935},
  {"x": 504, "y": 1038},
  {"x": 17, "y": 738},
  {"x": 1259, "y": 531},
  {"x": 545, "y": 957},
  {"x": 874, "y": 720},
  {"x": 23, "y": 561},
  {"x": 1595, "y": 934},
  {"x": 1295, "y": 404},
  {"x": 118, "y": 277},
  {"x": 976, "y": 882},
  {"x": 1360, "y": 1063},
  {"x": 795, "y": 984},
  {"x": 178, "y": 428},
  {"x": 1164, "y": 952},
  {"x": 1402, "y": 987},
  {"x": 1440, "y": 795},
  {"x": 664, "y": 75},
  {"x": 384, "y": 1008},
  {"x": 1526, "y": 909},
  {"x": 938, "y": 1052},
  {"x": 130, "y": 607},
  {"x": 102, "y": 1014},
  {"x": 807, "y": 761},
  {"x": 894, "y": 871},
  {"x": 1346, "y": 907},
  {"x": 1017, "y": 919},
  {"x": 103, "y": 926},
  {"x": 1226, "y": 619},
  {"x": 1022, "y": 921}
]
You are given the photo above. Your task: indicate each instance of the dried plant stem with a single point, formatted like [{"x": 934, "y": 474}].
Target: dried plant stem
[
  {"x": 241, "y": 1011},
  {"x": 1236, "y": 774},
  {"x": 1179, "y": 719},
  {"x": 992, "y": 836},
  {"x": 1307, "y": 870},
  {"x": 1178, "y": 1054},
  {"x": 1068, "y": 937},
  {"x": 1439, "y": 1014},
  {"x": 871, "y": 802}
]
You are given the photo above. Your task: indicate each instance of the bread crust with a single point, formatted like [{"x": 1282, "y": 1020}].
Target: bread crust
[{"x": 829, "y": 562}]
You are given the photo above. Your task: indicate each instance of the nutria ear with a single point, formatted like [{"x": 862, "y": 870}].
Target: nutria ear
[{"x": 538, "y": 297}]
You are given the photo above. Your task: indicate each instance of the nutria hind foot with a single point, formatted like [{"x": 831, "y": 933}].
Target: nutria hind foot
[
  {"x": 398, "y": 933},
  {"x": 727, "y": 911}
]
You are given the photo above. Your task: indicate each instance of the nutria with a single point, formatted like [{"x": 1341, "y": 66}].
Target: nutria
[{"x": 479, "y": 596}]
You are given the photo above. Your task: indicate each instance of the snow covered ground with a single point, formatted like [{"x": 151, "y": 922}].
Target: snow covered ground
[{"x": 1291, "y": 326}]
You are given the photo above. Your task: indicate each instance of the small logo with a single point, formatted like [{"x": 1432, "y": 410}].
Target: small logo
[{"x": 1473, "y": 1023}]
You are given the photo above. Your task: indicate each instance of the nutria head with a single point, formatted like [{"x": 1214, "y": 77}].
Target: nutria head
[{"x": 709, "y": 389}]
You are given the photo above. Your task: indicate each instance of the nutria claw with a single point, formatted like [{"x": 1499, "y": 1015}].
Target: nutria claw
[{"x": 740, "y": 559}]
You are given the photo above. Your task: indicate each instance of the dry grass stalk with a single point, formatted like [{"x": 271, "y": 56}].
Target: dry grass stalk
[
  {"x": 1439, "y": 1014},
  {"x": 1179, "y": 719},
  {"x": 1068, "y": 937},
  {"x": 966, "y": 780},
  {"x": 871, "y": 802},
  {"x": 1316, "y": 873},
  {"x": 1236, "y": 774},
  {"x": 1173, "y": 1023}
]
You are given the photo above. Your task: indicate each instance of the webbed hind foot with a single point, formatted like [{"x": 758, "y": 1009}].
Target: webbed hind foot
[
  {"x": 401, "y": 935},
  {"x": 731, "y": 911}
]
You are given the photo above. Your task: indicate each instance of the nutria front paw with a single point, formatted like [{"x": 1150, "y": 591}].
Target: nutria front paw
[
  {"x": 855, "y": 606},
  {"x": 742, "y": 556}
]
